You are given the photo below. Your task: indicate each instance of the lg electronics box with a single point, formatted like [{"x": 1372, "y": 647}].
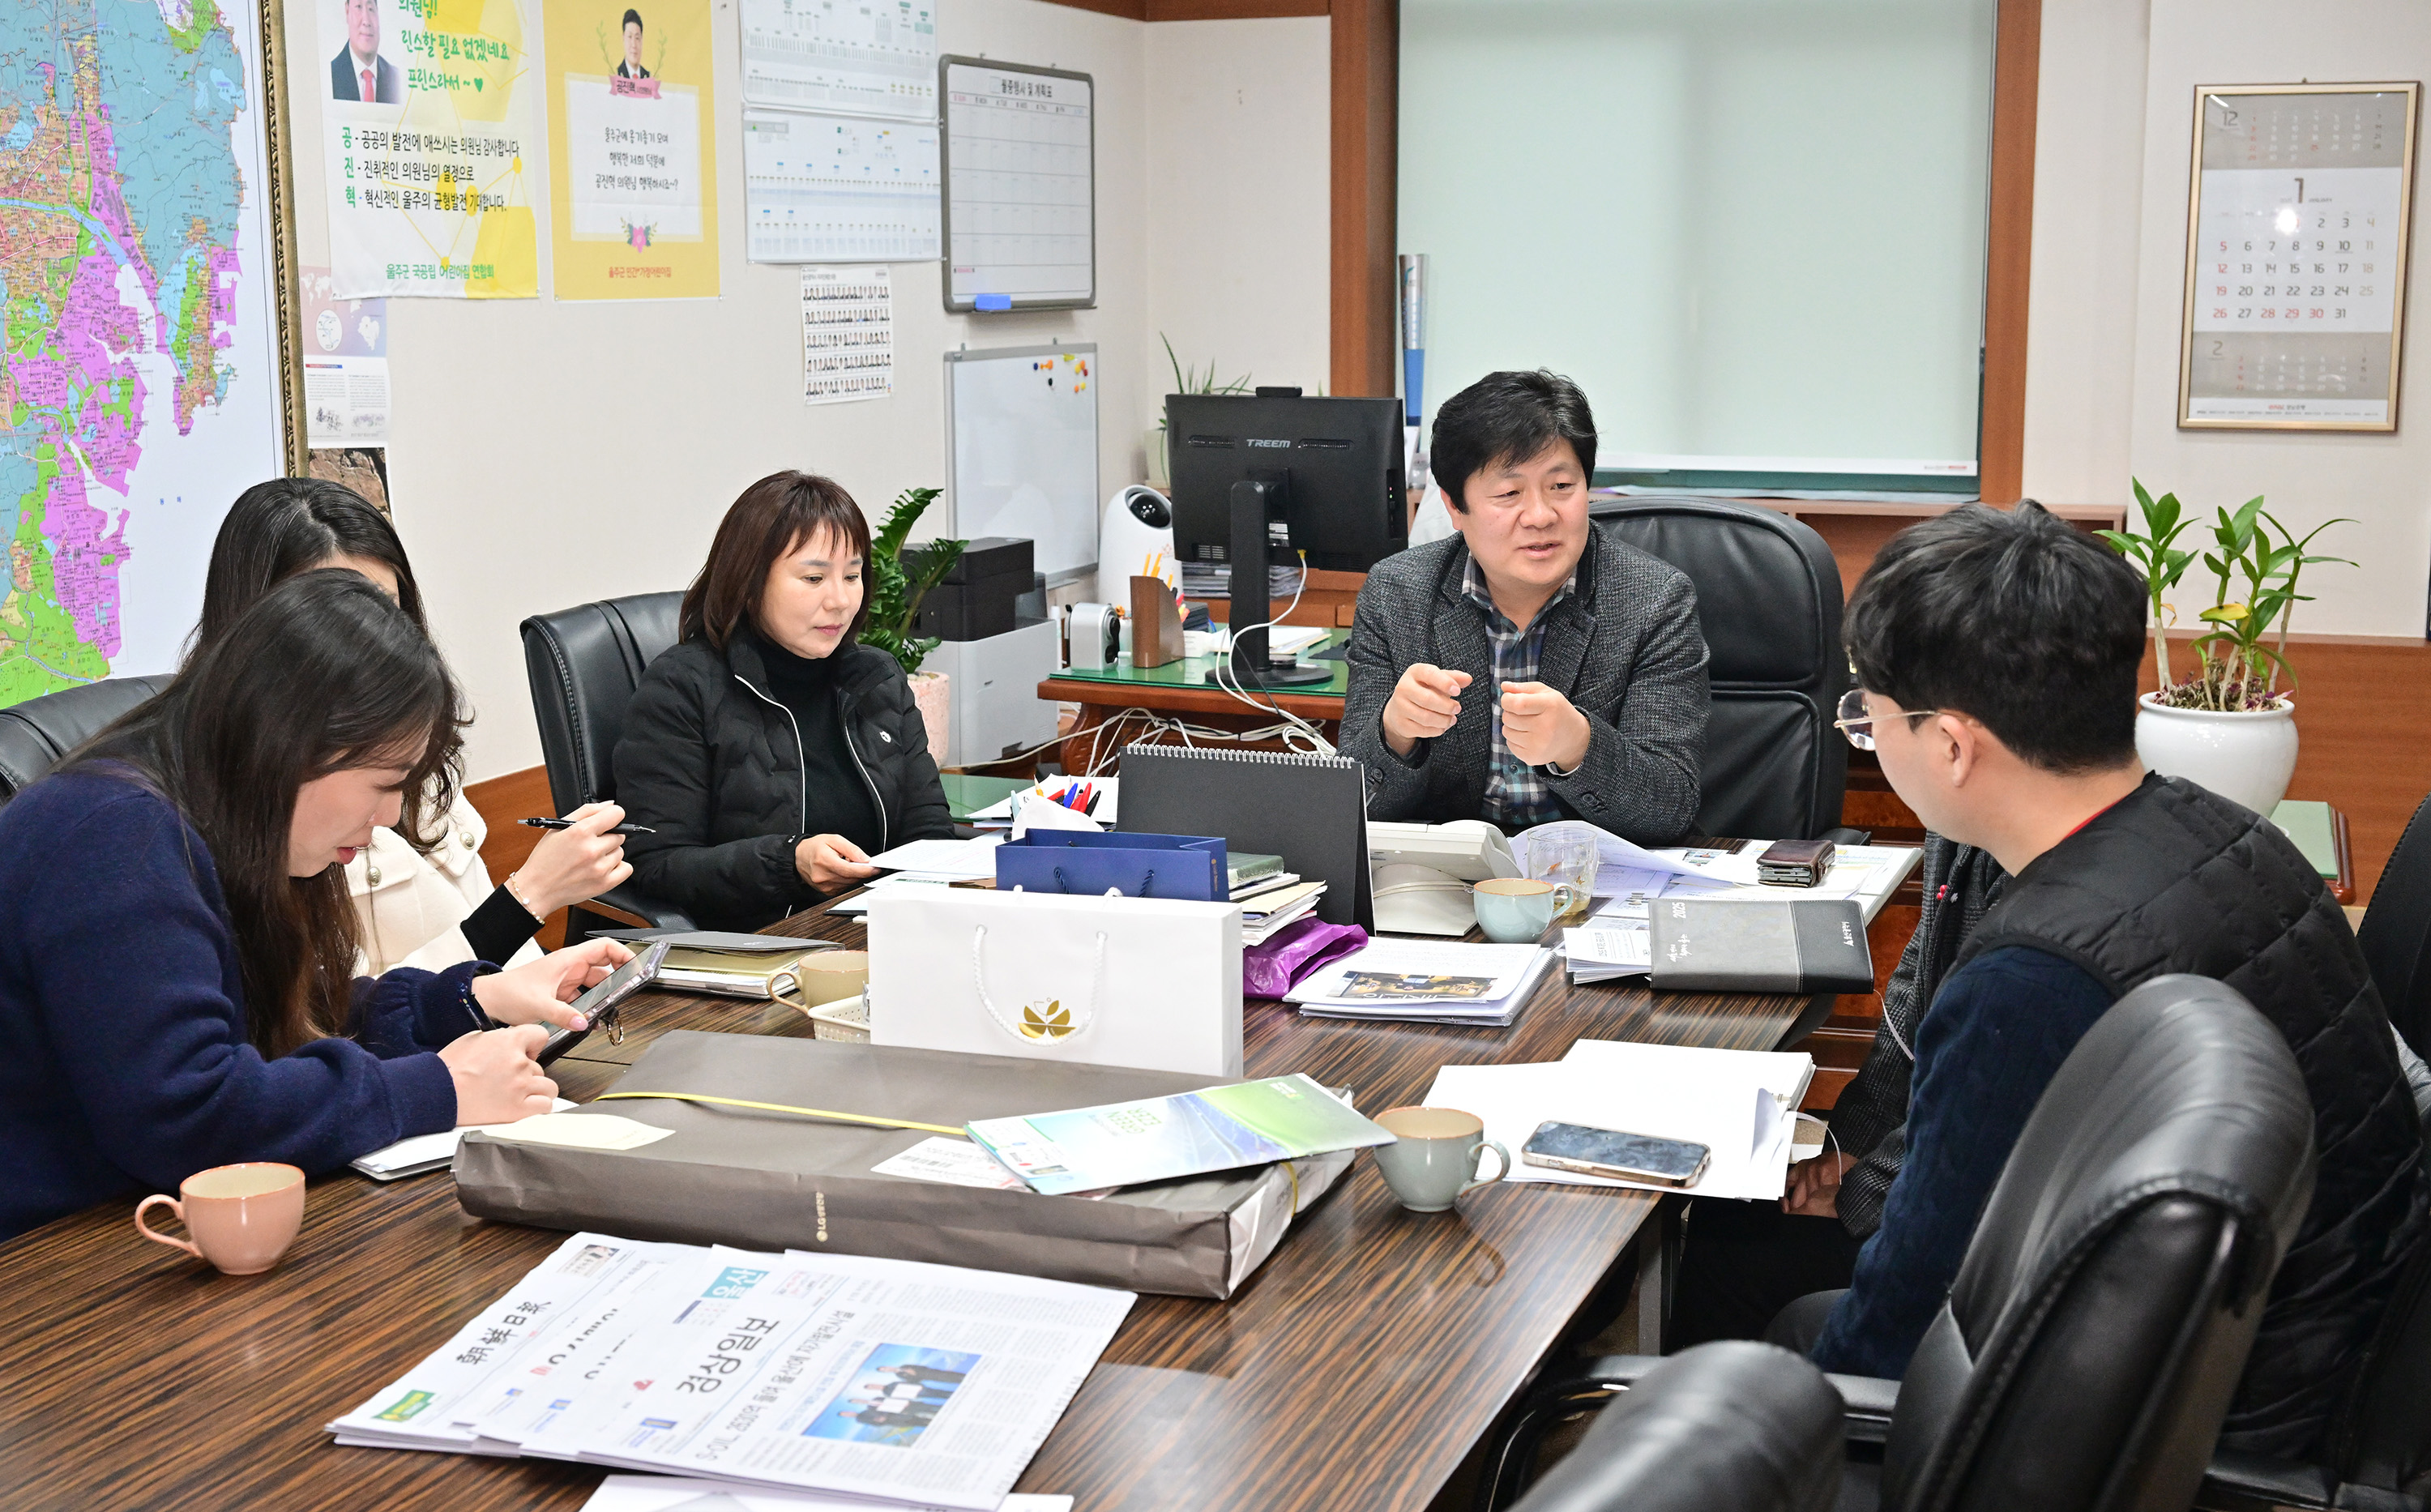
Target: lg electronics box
[{"x": 778, "y": 1181}]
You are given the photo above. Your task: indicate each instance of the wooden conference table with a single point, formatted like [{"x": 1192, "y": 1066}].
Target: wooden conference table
[{"x": 1354, "y": 1371}]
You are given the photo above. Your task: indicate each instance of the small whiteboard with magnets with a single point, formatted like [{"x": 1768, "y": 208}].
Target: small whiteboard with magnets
[
  {"x": 1023, "y": 424},
  {"x": 1019, "y": 160}
]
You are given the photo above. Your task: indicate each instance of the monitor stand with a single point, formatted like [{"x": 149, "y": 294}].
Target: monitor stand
[{"x": 1248, "y": 553}]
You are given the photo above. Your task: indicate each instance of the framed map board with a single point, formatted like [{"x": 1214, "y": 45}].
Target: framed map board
[
  {"x": 2297, "y": 209},
  {"x": 147, "y": 287}
]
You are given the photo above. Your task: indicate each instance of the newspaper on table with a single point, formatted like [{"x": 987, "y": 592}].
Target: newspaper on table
[
  {"x": 917, "y": 1385},
  {"x": 669, "y": 1493}
]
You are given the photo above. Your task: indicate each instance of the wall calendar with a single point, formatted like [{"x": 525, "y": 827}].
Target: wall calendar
[{"x": 2296, "y": 232}]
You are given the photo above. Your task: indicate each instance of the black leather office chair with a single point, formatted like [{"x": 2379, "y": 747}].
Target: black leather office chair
[
  {"x": 1734, "y": 1424},
  {"x": 1769, "y": 601},
  {"x": 2086, "y": 1354},
  {"x": 584, "y": 665},
  {"x": 2396, "y": 932},
  {"x": 36, "y": 733}
]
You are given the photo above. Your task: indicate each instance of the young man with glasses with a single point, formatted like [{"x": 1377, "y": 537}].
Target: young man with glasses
[
  {"x": 1531, "y": 667},
  {"x": 1997, "y": 653}
]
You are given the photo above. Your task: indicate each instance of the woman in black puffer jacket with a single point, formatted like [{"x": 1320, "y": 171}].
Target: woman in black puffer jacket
[{"x": 770, "y": 750}]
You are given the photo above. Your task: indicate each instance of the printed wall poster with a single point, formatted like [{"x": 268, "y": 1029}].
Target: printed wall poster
[
  {"x": 428, "y": 145},
  {"x": 634, "y": 202}
]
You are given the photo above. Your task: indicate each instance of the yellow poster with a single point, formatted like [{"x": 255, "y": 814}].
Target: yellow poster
[
  {"x": 427, "y": 145},
  {"x": 634, "y": 189}
]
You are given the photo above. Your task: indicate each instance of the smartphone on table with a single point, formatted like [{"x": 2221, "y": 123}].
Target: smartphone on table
[
  {"x": 600, "y": 1006},
  {"x": 1633, "y": 1157}
]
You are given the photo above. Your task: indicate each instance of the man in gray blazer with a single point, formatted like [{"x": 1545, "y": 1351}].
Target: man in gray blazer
[{"x": 1532, "y": 667}]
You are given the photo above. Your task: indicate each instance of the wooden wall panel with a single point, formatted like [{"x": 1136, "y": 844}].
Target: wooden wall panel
[
  {"x": 1232, "y": 9},
  {"x": 1367, "y": 110},
  {"x": 2008, "y": 252}
]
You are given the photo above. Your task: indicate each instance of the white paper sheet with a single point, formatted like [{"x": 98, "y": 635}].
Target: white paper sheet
[
  {"x": 956, "y": 859},
  {"x": 407, "y": 1157},
  {"x": 593, "y": 1130},
  {"x": 1709, "y": 1097},
  {"x": 955, "y": 1162}
]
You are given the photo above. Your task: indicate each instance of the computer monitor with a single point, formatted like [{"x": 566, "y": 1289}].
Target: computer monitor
[{"x": 1335, "y": 466}]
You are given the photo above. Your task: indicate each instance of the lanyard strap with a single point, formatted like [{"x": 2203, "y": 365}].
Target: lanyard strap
[{"x": 780, "y": 1107}]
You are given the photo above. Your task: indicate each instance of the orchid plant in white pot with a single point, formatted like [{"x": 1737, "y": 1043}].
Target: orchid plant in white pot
[{"x": 2228, "y": 724}]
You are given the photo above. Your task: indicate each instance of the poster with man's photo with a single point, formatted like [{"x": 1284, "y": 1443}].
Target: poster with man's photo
[{"x": 634, "y": 202}]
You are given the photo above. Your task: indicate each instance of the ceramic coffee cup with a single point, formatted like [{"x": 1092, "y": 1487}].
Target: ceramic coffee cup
[
  {"x": 243, "y": 1217},
  {"x": 1519, "y": 910},
  {"x": 1435, "y": 1155}
]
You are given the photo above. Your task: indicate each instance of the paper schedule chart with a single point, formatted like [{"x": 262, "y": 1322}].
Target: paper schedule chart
[
  {"x": 860, "y": 57},
  {"x": 1020, "y": 187},
  {"x": 826, "y": 187}
]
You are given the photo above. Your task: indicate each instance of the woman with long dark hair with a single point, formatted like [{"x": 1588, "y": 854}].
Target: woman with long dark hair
[
  {"x": 422, "y": 896},
  {"x": 176, "y": 947},
  {"x": 772, "y": 752}
]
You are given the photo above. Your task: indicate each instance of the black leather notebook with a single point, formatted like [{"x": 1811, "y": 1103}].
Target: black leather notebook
[
  {"x": 1805, "y": 946},
  {"x": 1311, "y": 810}
]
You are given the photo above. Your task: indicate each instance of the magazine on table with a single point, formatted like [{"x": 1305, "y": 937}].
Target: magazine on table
[{"x": 1216, "y": 1128}]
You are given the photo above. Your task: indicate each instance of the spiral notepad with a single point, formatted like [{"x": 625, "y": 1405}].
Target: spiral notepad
[{"x": 1311, "y": 810}]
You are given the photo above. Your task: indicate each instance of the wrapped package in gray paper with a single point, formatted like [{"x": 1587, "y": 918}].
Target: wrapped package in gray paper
[{"x": 777, "y": 1181}]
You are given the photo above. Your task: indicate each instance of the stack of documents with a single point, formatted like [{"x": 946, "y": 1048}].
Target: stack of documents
[
  {"x": 1742, "y": 1104},
  {"x": 1628, "y": 877},
  {"x": 942, "y": 860},
  {"x": 1606, "y": 950},
  {"x": 1427, "y": 981},
  {"x": 1263, "y": 913},
  {"x": 905, "y": 1384},
  {"x": 1214, "y": 579}
]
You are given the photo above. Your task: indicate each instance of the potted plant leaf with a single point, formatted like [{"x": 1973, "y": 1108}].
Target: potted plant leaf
[
  {"x": 1185, "y": 381},
  {"x": 895, "y": 589},
  {"x": 2227, "y": 724}
]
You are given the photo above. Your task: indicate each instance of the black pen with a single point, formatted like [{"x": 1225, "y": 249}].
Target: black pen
[{"x": 568, "y": 824}]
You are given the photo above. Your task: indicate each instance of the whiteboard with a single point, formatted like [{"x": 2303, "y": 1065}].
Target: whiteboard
[
  {"x": 1023, "y": 428},
  {"x": 1019, "y": 152}
]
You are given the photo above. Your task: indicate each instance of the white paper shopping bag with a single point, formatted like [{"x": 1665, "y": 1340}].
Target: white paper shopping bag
[{"x": 1132, "y": 981}]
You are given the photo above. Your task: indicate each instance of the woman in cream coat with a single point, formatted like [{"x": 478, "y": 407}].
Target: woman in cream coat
[{"x": 431, "y": 904}]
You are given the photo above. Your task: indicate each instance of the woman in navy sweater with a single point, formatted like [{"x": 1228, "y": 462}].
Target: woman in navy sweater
[{"x": 176, "y": 941}]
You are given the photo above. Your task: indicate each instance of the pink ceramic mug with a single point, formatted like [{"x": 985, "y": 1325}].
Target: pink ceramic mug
[{"x": 243, "y": 1217}]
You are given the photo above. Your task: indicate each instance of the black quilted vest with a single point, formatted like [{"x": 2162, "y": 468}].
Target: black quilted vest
[{"x": 2174, "y": 878}]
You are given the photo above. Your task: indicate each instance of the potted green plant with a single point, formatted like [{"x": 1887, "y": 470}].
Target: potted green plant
[
  {"x": 895, "y": 589},
  {"x": 2227, "y": 724},
  {"x": 1185, "y": 381}
]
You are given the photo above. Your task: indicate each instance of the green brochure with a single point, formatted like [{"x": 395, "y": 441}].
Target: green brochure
[{"x": 1221, "y": 1127}]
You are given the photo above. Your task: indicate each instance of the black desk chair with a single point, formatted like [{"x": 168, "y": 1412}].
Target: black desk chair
[
  {"x": 1769, "y": 601},
  {"x": 2396, "y": 932},
  {"x": 584, "y": 665},
  {"x": 1734, "y": 1424},
  {"x": 36, "y": 733},
  {"x": 2088, "y": 1352}
]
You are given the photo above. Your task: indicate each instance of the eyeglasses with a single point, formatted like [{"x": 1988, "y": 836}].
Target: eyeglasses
[{"x": 1859, "y": 725}]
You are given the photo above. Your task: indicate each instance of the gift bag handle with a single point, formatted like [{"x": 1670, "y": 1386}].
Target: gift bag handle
[
  {"x": 1036, "y": 1029},
  {"x": 1147, "y": 884}
]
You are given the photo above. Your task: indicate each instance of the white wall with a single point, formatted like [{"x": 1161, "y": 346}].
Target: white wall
[
  {"x": 1238, "y": 201},
  {"x": 2116, "y": 97},
  {"x": 547, "y": 454}
]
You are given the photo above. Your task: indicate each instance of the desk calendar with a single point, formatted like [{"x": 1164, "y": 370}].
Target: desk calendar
[{"x": 2296, "y": 232}]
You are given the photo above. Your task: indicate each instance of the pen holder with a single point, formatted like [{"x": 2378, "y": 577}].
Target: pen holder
[{"x": 1156, "y": 623}]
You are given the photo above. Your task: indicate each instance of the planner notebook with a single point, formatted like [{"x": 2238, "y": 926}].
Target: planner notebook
[
  {"x": 1311, "y": 810},
  {"x": 1807, "y": 946}
]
